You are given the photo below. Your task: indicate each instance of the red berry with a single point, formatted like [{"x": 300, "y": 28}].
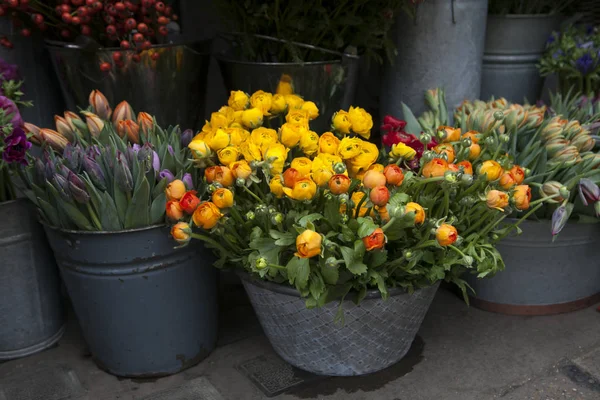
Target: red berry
[
  {"x": 82, "y": 11},
  {"x": 110, "y": 20},
  {"x": 26, "y": 32},
  {"x": 125, "y": 45},
  {"x": 13, "y": 3},
  {"x": 7, "y": 43},
  {"x": 168, "y": 10},
  {"x": 131, "y": 7},
  {"x": 120, "y": 6},
  {"x": 86, "y": 30},
  {"x": 138, "y": 38},
  {"x": 117, "y": 56},
  {"x": 111, "y": 10},
  {"x": 155, "y": 56},
  {"x": 111, "y": 30},
  {"x": 42, "y": 27},
  {"x": 160, "y": 6},
  {"x": 130, "y": 24},
  {"x": 142, "y": 28},
  {"x": 65, "y": 8},
  {"x": 98, "y": 5},
  {"x": 163, "y": 30},
  {"x": 147, "y": 3},
  {"x": 163, "y": 20},
  {"x": 146, "y": 45},
  {"x": 105, "y": 67},
  {"x": 136, "y": 58},
  {"x": 67, "y": 18},
  {"x": 37, "y": 19},
  {"x": 65, "y": 33},
  {"x": 76, "y": 20},
  {"x": 89, "y": 2},
  {"x": 2, "y": 12},
  {"x": 86, "y": 20},
  {"x": 77, "y": 2}
]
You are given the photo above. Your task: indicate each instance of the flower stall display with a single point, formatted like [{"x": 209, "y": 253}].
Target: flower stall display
[
  {"x": 322, "y": 227},
  {"x": 31, "y": 309},
  {"x": 99, "y": 189},
  {"x": 573, "y": 56},
  {"x": 559, "y": 161}
]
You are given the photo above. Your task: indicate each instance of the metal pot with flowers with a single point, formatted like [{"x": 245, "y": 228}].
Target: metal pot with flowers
[{"x": 338, "y": 243}]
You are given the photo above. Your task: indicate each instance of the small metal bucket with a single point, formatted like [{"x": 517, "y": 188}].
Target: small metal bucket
[
  {"x": 145, "y": 308},
  {"x": 330, "y": 82},
  {"x": 375, "y": 334},
  {"x": 543, "y": 277},
  {"x": 32, "y": 315},
  {"x": 172, "y": 87}
]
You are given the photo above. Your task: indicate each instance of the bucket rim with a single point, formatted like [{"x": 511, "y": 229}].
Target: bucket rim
[
  {"x": 95, "y": 233},
  {"x": 527, "y": 16},
  {"x": 57, "y": 44}
]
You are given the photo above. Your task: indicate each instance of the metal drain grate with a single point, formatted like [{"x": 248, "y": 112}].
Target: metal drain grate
[
  {"x": 273, "y": 376},
  {"x": 51, "y": 383},
  {"x": 197, "y": 389}
]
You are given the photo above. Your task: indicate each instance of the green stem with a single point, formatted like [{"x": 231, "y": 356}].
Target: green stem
[
  {"x": 211, "y": 241},
  {"x": 390, "y": 223},
  {"x": 277, "y": 266},
  {"x": 359, "y": 205},
  {"x": 426, "y": 244},
  {"x": 252, "y": 194},
  {"x": 93, "y": 215}
]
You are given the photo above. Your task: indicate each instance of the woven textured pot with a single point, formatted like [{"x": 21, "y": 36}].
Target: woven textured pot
[{"x": 375, "y": 334}]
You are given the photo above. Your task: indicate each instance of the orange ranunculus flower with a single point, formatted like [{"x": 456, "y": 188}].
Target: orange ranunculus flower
[
  {"x": 452, "y": 167},
  {"x": 189, "y": 202},
  {"x": 339, "y": 184},
  {"x": 174, "y": 211},
  {"x": 240, "y": 169},
  {"x": 452, "y": 134},
  {"x": 446, "y": 235},
  {"x": 518, "y": 173},
  {"x": 466, "y": 166},
  {"x": 474, "y": 151},
  {"x": 497, "y": 199},
  {"x": 181, "y": 232},
  {"x": 207, "y": 215},
  {"x": 507, "y": 180},
  {"x": 492, "y": 169},
  {"x": 383, "y": 214},
  {"x": 219, "y": 174},
  {"x": 308, "y": 244},
  {"x": 375, "y": 240},
  {"x": 380, "y": 195},
  {"x": 223, "y": 198},
  {"x": 321, "y": 176},
  {"x": 418, "y": 210},
  {"x": 175, "y": 190},
  {"x": 304, "y": 189},
  {"x": 302, "y": 165},
  {"x": 471, "y": 135},
  {"x": 393, "y": 175},
  {"x": 276, "y": 186},
  {"x": 328, "y": 143},
  {"x": 447, "y": 149},
  {"x": 373, "y": 179},
  {"x": 522, "y": 197},
  {"x": 435, "y": 167},
  {"x": 290, "y": 176}
]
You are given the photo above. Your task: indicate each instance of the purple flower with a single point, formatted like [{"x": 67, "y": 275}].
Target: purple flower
[
  {"x": 551, "y": 39},
  {"x": 170, "y": 149},
  {"x": 9, "y": 72},
  {"x": 11, "y": 111},
  {"x": 155, "y": 161},
  {"x": 557, "y": 54},
  {"x": 186, "y": 137},
  {"x": 136, "y": 148},
  {"x": 165, "y": 173},
  {"x": 187, "y": 179},
  {"x": 589, "y": 192},
  {"x": 16, "y": 146},
  {"x": 585, "y": 64},
  {"x": 560, "y": 216}
]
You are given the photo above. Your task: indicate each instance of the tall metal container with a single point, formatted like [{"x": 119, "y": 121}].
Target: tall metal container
[
  {"x": 32, "y": 315},
  {"x": 543, "y": 277},
  {"x": 145, "y": 308},
  {"x": 172, "y": 87},
  {"x": 441, "y": 47},
  {"x": 514, "y": 45}
]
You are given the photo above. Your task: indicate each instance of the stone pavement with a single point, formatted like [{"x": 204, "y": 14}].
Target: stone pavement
[{"x": 461, "y": 353}]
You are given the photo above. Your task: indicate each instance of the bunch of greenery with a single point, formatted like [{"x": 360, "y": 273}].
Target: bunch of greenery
[{"x": 502, "y": 7}]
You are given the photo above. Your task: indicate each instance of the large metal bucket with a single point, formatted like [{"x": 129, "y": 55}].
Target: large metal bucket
[
  {"x": 330, "y": 83},
  {"x": 32, "y": 315},
  {"x": 375, "y": 334},
  {"x": 441, "y": 47},
  {"x": 145, "y": 308},
  {"x": 514, "y": 45},
  {"x": 544, "y": 277},
  {"x": 172, "y": 87}
]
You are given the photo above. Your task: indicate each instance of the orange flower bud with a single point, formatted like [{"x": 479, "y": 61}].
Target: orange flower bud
[
  {"x": 375, "y": 240},
  {"x": 452, "y": 167},
  {"x": 145, "y": 121},
  {"x": 207, "y": 215},
  {"x": 129, "y": 129},
  {"x": 34, "y": 130},
  {"x": 447, "y": 149},
  {"x": 181, "y": 232},
  {"x": 290, "y": 176},
  {"x": 57, "y": 141},
  {"x": 518, "y": 174},
  {"x": 452, "y": 134},
  {"x": 241, "y": 169},
  {"x": 189, "y": 202},
  {"x": 474, "y": 151},
  {"x": 64, "y": 128},
  {"x": 223, "y": 198},
  {"x": 308, "y": 244},
  {"x": 446, "y": 235},
  {"x": 373, "y": 179},
  {"x": 304, "y": 189},
  {"x": 219, "y": 174},
  {"x": 467, "y": 167},
  {"x": 435, "y": 167},
  {"x": 339, "y": 184},
  {"x": 123, "y": 111},
  {"x": 522, "y": 197},
  {"x": 100, "y": 104},
  {"x": 380, "y": 195},
  {"x": 418, "y": 210},
  {"x": 174, "y": 211},
  {"x": 492, "y": 169},
  {"x": 497, "y": 199},
  {"x": 393, "y": 175},
  {"x": 471, "y": 135},
  {"x": 175, "y": 190},
  {"x": 507, "y": 180}
]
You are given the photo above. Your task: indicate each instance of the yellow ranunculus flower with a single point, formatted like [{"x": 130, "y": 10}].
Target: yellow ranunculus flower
[
  {"x": 206, "y": 128},
  {"x": 341, "y": 122},
  {"x": 206, "y": 215},
  {"x": 297, "y": 117},
  {"x": 276, "y": 186},
  {"x": 199, "y": 149},
  {"x": 356, "y": 199},
  {"x": 322, "y": 176},
  {"x": 238, "y": 100},
  {"x": 276, "y": 155},
  {"x": 325, "y": 161},
  {"x": 240, "y": 169},
  {"x": 237, "y": 117},
  {"x": 237, "y": 135},
  {"x": 290, "y": 134},
  {"x": 369, "y": 153},
  {"x": 252, "y": 118},
  {"x": 200, "y": 135},
  {"x": 262, "y": 101},
  {"x": 284, "y": 87},
  {"x": 263, "y": 137},
  {"x": 304, "y": 189},
  {"x": 311, "y": 109},
  {"x": 349, "y": 147},
  {"x": 217, "y": 140},
  {"x": 309, "y": 143},
  {"x": 401, "y": 150},
  {"x": 229, "y": 113},
  {"x": 302, "y": 165},
  {"x": 308, "y": 244},
  {"x": 218, "y": 120},
  {"x": 250, "y": 151},
  {"x": 223, "y": 198},
  {"x": 294, "y": 102},
  {"x": 278, "y": 104},
  {"x": 361, "y": 121},
  {"x": 328, "y": 143},
  {"x": 492, "y": 169},
  {"x": 228, "y": 155}
]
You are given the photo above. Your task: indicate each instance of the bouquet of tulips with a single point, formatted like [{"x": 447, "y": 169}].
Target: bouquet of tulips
[{"x": 333, "y": 216}]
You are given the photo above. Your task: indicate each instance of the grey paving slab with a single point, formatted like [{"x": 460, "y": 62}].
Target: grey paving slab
[
  {"x": 197, "y": 389},
  {"x": 52, "y": 383},
  {"x": 590, "y": 362}
]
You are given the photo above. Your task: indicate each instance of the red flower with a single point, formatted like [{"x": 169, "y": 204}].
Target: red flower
[
  {"x": 189, "y": 202},
  {"x": 395, "y": 134}
]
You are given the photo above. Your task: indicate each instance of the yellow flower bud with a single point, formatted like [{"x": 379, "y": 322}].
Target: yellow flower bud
[
  {"x": 228, "y": 155},
  {"x": 238, "y": 100},
  {"x": 309, "y": 143},
  {"x": 218, "y": 120},
  {"x": 199, "y": 149},
  {"x": 250, "y": 151},
  {"x": 261, "y": 100},
  {"x": 223, "y": 198},
  {"x": 328, "y": 143},
  {"x": 401, "y": 150},
  {"x": 217, "y": 139},
  {"x": 175, "y": 190},
  {"x": 311, "y": 109},
  {"x": 341, "y": 122},
  {"x": 349, "y": 147},
  {"x": 181, "y": 232},
  {"x": 207, "y": 215},
  {"x": 304, "y": 189},
  {"x": 276, "y": 155},
  {"x": 322, "y": 176},
  {"x": 294, "y": 102},
  {"x": 308, "y": 244},
  {"x": 278, "y": 104},
  {"x": 276, "y": 186},
  {"x": 252, "y": 118},
  {"x": 492, "y": 169},
  {"x": 361, "y": 121},
  {"x": 418, "y": 210},
  {"x": 241, "y": 169},
  {"x": 291, "y": 133},
  {"x": 284, "y": 87},
  {"x": 302, "y": 165}
]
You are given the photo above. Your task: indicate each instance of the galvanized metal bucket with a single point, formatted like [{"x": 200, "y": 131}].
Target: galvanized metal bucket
[
  {"x": 375, "y": 334},
  {"x": 145, "y": 308},
  {"x": 32, "y": 315},
  {"x": 172, "y": 87},
  {"x": 514, "y": 45},
  {"x": 441, "y": 47},
  {"x": 330, "y": 83},
  {"x": 544, "y": 277}
]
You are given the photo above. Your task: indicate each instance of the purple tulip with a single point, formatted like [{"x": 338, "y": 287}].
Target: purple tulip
[
  {"x": 73, "y": 156},
  {"x": 40, "y": 173},
  {"x": 166, "y": 174},
  {"x": 12, "y": 112},
  {"x": 589, "y": 192},
  {"x": 186, "y": 137},
  {"x": 136, "y": 147},
  {"x": 78, "y": 189},
  {"x": 187, "y": 179},
  {"x": 123, "y": 174},
  {"x": 156, "y": 161},
  {"x": 560, "y": 216},
  {"x": 16, "y": 146},
  {"x": 63, "y": 170},
  {"x": 95, "y": 173},
  {"x": 62, "y": 186}
]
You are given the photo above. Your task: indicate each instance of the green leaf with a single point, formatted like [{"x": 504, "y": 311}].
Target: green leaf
[
  {"x": 331, "y": 275},
  {"x": 267, "y": 249},
  {"x": 77, "y": 216},
  {"x": 412, "y": 125},
  {"x": 168, "y": 162},
  {"x": 380, "y": 284},
  {"x": 157, "y": 210},
  {"x": 109, "y": 217},
  {"x": 398, "y": 199},
  {"x": 366, "y": 227},
  {"x": 121, "y": 202},
  {"x": 308, "y": 219},
  {"x": 360, "y": 296},
  {"x": 298, "y": 270},
  {"x": 377, "y": 258},
  {"x": 49, "y": 212},
  {"x": 91, "y": 189},
  {"x": 104, "y": 136},
  {"x": 397, "y": 229},
  {"x": 347, "y": 234},
  {"x": 159, "y": 188},
  {"x": 138, "y": 215},
  {"x": 332, "y": 212},
  {"x": 353, "y": 264},
  {"x": 338, "y": 292},
  {"x": 317, "y": 286},
  {"x": 282, "y": 238}
]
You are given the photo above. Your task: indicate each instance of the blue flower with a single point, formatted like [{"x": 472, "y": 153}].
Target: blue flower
[
  {"x": 589, "y": 29},
  {"x": 585, "y": 64}
]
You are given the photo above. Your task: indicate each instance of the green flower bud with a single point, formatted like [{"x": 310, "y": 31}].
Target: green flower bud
[
  {"x": 250, "y": 215},
  {"x": 425, "y": 138},
  {"x": 240, "y": 182},
  {"x": 450, "y": 177},
  {"x": 345, "y": 218},
  {"x": 498, "y": 115},
  {"x": 343, "y": 198},
  {"x": 466, "y": 180},
  {"x": 466, "y": 142},
  {"x": 490, "y": 141},
  {"x": 564, "y": 192},
  {"x": 261, "y": 263},
  {"x": 331, "y": 262},
  {"x": 339, "y": 168},
  {"x": 504, "y": 138},
  {"x": 468, "y": 260},
  {"x": 277, "y": 219}
]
